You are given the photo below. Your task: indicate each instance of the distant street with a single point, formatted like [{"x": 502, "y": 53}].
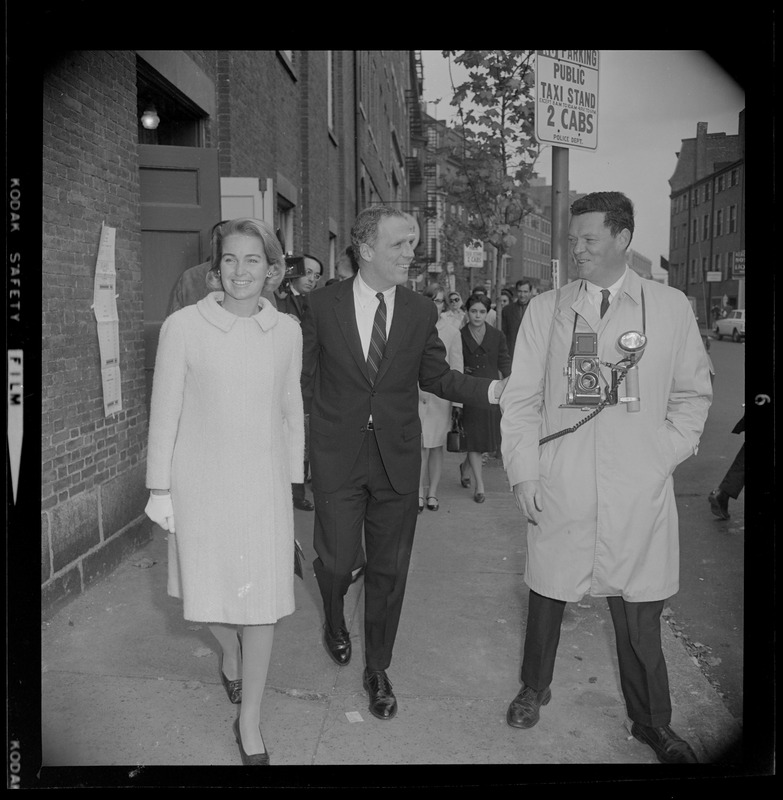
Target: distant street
[{"x": 708, "y": 610}]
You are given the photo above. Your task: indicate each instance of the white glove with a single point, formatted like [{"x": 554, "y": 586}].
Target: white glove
[{"x": 160, "y": 510}]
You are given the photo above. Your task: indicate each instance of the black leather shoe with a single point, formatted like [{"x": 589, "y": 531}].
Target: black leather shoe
[
  {"x": 303, "y": 504},
  {"x": 479, "y": 497},
  {"x": 667, "y": 746},
  {"x": 338, "y": 645},
  {"x": 524, "y": 711},
  {"x": 383, "y": 703},
  {"x": 233, "y": 688},
  {"x": 465, "y": 482},
  {"x": 254, "y": 760},
  {"x": 719, "y": 504}
]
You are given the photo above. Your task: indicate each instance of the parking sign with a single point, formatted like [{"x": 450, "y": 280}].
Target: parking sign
[{"x": 567, "y": 98}]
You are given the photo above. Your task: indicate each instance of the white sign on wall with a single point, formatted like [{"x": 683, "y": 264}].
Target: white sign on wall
[{"x": 567, "y": 98}]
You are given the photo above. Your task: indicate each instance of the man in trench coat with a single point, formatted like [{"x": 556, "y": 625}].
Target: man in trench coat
[
  {"x": 365, "y": 433},
  {"x": 599, "y": 500}
]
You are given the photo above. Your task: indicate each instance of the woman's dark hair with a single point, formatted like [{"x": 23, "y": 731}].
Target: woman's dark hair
[{"x": 477, "y": 298}]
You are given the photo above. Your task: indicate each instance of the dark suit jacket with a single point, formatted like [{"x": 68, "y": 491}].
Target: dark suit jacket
[
  {"x": 295, "y": 304},
  {"x": 510, "y": 321},
  {"x": 338, "y": 394}
]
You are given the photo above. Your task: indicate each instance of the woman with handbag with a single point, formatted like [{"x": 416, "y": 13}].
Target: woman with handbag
[
  {"x": 485, "y": 354},
  {"x": 435, "y": 412},
  {"x": 220, "y": 463}
]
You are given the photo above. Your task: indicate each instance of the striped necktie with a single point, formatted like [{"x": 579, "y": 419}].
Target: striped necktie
[
  {"x": 604, "y": 301},
  {"x": 378, "y": 339}
]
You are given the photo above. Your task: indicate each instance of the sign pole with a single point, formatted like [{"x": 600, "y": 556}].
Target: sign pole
[{"x": 560, "y": 209}]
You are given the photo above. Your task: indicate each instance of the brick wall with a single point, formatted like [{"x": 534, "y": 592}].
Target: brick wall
[{"x": 92, "y": 466}]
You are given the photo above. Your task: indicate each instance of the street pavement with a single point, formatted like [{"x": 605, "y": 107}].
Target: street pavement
[{"x": 126, "y": 681}]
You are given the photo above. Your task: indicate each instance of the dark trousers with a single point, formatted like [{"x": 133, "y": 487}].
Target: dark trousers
[
  {"x": 644, "y": 679},
  {"x": 734, "y": 480},
  {"x": 366, "y": 503},
  {"x": 298, "y": 489}
]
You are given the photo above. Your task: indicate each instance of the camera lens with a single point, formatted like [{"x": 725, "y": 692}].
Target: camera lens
[{"x": 588, "y": 382}]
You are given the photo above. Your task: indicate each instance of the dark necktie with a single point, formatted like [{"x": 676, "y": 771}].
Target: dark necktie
[
  {"x": 604, "y": 301},
  {"x": 378, "y": 339}
]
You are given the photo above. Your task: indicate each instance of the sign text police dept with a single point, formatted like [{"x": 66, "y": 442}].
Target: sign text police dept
[{"x": 567, "y": 98}]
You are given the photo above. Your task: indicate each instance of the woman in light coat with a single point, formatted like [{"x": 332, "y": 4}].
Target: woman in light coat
[
  {"x": 434, "y": 411},
  {"x": 226, "y": 441}
]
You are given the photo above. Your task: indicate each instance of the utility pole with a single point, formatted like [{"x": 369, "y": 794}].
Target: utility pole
[{"x": 560, "y": 208}]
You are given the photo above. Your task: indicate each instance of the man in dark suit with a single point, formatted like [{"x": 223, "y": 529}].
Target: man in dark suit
[
  {"x": 369, "y": 343},
  {"x": 513, "y": 313}
]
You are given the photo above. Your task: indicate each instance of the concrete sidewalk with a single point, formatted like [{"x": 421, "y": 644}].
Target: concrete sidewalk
[{"x": 126, "y": 681}]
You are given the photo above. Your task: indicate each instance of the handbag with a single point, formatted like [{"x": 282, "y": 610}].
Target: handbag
[{"x": 456, "y": 440}]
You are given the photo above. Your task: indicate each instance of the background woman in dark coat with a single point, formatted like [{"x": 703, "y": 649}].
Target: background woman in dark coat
[{"x": 486, "y": 355}]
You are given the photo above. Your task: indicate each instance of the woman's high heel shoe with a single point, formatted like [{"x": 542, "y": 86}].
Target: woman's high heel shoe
[
  {"x": 233, "y": 688},
  {"x": 255, "y": 760}
]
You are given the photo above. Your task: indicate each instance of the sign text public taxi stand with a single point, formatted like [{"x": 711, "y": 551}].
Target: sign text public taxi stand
[{"x": 567, "y": 98}]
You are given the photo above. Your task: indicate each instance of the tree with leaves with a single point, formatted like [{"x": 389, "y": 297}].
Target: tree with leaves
[{"x": 497, "y": 151}]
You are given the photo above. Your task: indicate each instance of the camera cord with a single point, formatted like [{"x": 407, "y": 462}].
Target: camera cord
[{"x": 600, "y": 407}]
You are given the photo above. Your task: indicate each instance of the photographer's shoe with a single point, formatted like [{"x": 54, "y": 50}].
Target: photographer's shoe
[
  {"x": 666, "y": 744},
  {"x": 719, "y": 503},
  {"x": 524, "y": 711}
]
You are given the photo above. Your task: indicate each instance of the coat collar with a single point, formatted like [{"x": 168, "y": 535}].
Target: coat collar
[
  {"x": 574, "y": 296},
  {"x": 209, "y": 307}
]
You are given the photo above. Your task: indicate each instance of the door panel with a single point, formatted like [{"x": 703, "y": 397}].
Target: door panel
[
  {"x": 180, "y": 203},
  {"x": 244, "y": 197}
]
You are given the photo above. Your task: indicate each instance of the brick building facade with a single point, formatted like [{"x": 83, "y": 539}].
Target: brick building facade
[
  {"x": 315, "y": 135},
  {"x": 707, "y": 233}
]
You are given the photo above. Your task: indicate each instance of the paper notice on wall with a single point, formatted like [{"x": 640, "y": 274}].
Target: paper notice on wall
[{"x": 105, "y": 309}]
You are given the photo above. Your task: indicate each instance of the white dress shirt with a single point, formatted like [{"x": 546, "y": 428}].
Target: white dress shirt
[
  {"x": 366, "y": 304},
  {"x": 594, "y": 291}
]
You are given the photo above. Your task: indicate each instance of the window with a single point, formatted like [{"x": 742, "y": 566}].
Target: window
[
  {"x": 285, "y": 223},
  {"x": 674, "y": 236},
  {"x": 734, "y": 180},
  {"x": 721, "y": 182},
  {"x": 693, "y": 269},
  {"x": 716, "y": 262},
  {"x": 707, "y": 192},
  {"x": 732, "y": 219},
  {"x": 693, "y": 231},
  {"x": 719, "y": 222},
  {"x": 705, "y": 230},
  {"x": 703, "y": 266},
  {"x": 729, "y": 265}
]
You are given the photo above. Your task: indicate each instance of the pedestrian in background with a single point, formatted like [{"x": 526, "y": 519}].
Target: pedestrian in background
[
  {"x": 512, "y": 316},
  {"x": 435, "y": 412},
  {"x": 226, "y": 439},
  {"x": 599, "y": 500},
  {"x": 733, "y": 481},
  {"x": 307, "y": 271},
  {"x": 369, "y": 345},
  {"x": 455, "y": 313},
  {"x": 484, "y": 354}
]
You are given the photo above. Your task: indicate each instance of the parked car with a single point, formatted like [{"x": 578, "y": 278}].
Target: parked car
[{"x": 732, "y": 325}]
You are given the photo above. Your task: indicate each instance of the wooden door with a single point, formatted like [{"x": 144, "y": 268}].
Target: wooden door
[{"x": 180, "y": 203}]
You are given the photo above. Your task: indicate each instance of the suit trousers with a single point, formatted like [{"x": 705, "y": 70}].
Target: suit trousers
[
  {"x": 644, "y": 679},
  {"x": 367, "y": 503},
  {"x": 734, "y": 480}
]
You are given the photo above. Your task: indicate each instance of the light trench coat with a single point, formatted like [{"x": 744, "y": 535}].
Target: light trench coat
[{"x": 609, "y": 521}]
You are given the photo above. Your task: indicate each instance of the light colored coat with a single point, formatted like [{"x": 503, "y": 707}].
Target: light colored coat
[
  {"x": 227, "y": 438},
  {"x": 434, "y": 411},
  {"x": 609, "y": 519}
]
